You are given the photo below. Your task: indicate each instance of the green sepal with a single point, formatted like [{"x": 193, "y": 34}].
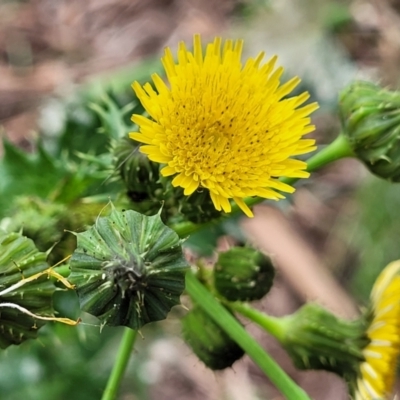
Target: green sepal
[
  {"x": 128, "y": 269},
  {"x": 317, "y": 339},
  {"x": 243, "y": 274},
  {"x": 19, "y": 259},
  {"x": 208, "y": 341},
  {"x": 35, "y": 174}
]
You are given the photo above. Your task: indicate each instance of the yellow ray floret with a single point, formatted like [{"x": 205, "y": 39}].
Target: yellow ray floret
[
  {"x": 378, "y": 371},
  {"x": 224, "y": 126}
]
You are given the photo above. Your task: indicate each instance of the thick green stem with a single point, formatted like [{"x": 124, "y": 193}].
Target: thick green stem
[
  {"x": 232, "y": 327},
  {"x": 275, "y": 326},
  {"x": 339, "y": 148},
  {"x": 120, "y": 365}
]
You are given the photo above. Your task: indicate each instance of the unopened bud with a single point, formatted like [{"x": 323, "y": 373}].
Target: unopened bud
[
  {"x": 243, "y": 274},
  {"x": 208, "y": 341},
  {"x": 370, "y": 118}
]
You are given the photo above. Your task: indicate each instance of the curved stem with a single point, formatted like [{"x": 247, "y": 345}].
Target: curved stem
[
  {"x": 120, "y": 364},
  {"x": 235, "y": 330},
  {"x": 339, "y": 148},
  {"x": 275, "y": 326}
]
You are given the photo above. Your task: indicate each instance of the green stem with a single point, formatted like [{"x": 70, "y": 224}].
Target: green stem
[
  {"x": 339, "y": 148},
  {"x": 235, "y": 330},
  {"x": 275, "y": 326},
  {"x": 120, "y": 365}
]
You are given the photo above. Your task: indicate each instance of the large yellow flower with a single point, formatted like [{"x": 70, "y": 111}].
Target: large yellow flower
[
  {"x": 223, "y": 126},
  {"x": 378, "y": 371}
]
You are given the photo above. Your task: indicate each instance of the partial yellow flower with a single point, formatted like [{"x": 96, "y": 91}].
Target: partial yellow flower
[
  {"x": 224, "y": 126},
  {"x": 378, "y": 371}
]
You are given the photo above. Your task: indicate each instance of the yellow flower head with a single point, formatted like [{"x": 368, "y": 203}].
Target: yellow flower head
[
  {"x": 224, "y": 126},
  {"x": 378, "y": 371}
]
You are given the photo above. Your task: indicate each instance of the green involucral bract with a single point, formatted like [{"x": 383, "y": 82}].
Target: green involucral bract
[
  {"x": 137, "y": 172},
  {"x": 128, "y": 269},
  {"x": 20, "y": 260},
  {"x": 317, "y": 339}
]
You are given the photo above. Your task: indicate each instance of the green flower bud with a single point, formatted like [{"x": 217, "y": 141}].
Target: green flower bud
[
  {"x": 140, "y": 175},
  {"x": 25, "y": 290},
  {"x": 208, "y": 341},
  {"x": 128, "y": 269},
  {"x": 197, "y": 207},
  {"x": 370, "y": 118},
  {"x": 317, "y": 339},
  {"x": 243, "y": 274}
]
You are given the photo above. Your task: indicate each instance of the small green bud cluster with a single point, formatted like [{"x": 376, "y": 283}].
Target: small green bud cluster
[{"x": 240, "y": 274}]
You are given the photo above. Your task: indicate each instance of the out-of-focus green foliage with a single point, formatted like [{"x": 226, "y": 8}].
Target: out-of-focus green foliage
[
  {"x": 30, "y": 174},
  {"x": 246, "y": 9},
  {"x": 65, "y": 363},
  {"x": 337, "y": 17},
  {"x": 377, "y": 232}
]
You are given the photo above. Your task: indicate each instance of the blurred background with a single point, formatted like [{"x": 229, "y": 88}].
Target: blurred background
[{"x": 329, "y": 241}]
